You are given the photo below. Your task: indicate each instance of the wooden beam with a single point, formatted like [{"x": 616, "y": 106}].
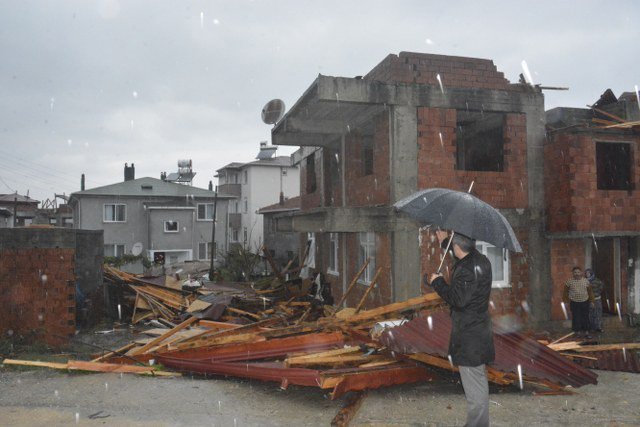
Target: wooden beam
[
  {"x": 369, "y": 289},
  {"x": 161, "y": 338},
  {"x": 353, "y": 282}
]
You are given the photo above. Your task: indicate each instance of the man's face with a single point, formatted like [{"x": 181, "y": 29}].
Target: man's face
[{"x": 577, "y": 273}]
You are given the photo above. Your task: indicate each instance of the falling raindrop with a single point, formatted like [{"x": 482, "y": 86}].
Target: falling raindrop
[
  {"x": 135, "y": 94},
  {"x": 69, "y": 142},
  {"x": 430, "y": 323},
  {"x": 595, "y": 244},
  {"x": 216, "y": 22},
  {"x": 106, "y": 386},
  {"x": 219, "y": 406},
  {"x": 56, "y": 394},
  {"x": 201, "y": 19},
  {"x": 637, "y": 96},
  {"x": 86, "y": 145},
  {"x": 624, "y": 354},
  {"x": 520, "y": 376},
  {"x": 131, "y": 124},
  {"x": 77, "y": 417},
  {"x": 337, "y": 97},
  {"x": 43, "y": 279},
  {"x": 527, "y": 74},
  {"x": 441, "y": 141},
  {"x": 119, "y": 312},
  {"x": 348, "y": 129},
  {"x": 492, "y": 305},
  {"x": 53, "y": 100},
  {"x": 440, "y": 83},
  {"x": 564, "y": 310},
  {"x": 618, "y": 311},
  {"x": 40, "y": 317},
  {"x": 525, "y": 306},
  {"x": 450, "y": 360},
  {"x": 430, "y": 42}
]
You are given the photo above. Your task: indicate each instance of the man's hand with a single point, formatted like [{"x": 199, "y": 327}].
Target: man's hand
[{"x": 433, "y": 277}]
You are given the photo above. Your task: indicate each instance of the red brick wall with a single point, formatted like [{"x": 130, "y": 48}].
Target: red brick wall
[
  {"x": 573, "y": 200},
  {"x": 37, "y": 294},
  {"x": 311, "y": 200},
  {"x": 454, "y": 71},
  {"x": 437, "y": 160},
  {"x": 374, "y": 189},
  {"x": 565, "y": 254}
]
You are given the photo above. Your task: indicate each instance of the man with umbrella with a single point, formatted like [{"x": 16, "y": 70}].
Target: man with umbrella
[{"x": 471, "y": 340}]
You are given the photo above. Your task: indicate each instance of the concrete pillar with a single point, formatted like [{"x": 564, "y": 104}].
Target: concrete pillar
[
  {"x": 634, "y": 276},
  {"x": 403, "y": 153},
  {"x": 538, "y": 256}
]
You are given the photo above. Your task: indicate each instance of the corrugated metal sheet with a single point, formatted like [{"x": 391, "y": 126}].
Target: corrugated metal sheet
[
  {"x": 512, "y": 349},
  {"x": 612, "y": 360}
]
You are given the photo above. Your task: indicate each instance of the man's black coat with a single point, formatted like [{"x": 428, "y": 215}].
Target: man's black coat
[{"x": 471, "y": 342}]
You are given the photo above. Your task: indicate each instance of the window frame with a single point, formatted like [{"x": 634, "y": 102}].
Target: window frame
[
  {"x": 333, "y": 254},
  {"x": 205, "y": 218},
  {"x": 114, "y": 205},
  {"x": 114, "y": 253},
  {"x": 207, "y": 250},
  {"x": 367, "y": 249},
  {"x": 601, "y": 183},
  {"x": 177, "y": 225},
  {"x": 482, "y": 247}
]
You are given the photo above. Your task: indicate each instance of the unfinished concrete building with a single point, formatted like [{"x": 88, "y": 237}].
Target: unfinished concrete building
[
  {"x": 418, "y": 121},
  {"x": 592, "y": 171}
]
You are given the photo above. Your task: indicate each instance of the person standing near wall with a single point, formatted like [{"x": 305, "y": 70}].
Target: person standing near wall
[
  {"x": 595, "y": 310},
  {"x": 471, "y": 341},
  {"x": 577, "y": 292}
]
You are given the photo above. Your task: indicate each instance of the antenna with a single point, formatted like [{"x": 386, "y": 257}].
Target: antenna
[{"x": 273, "y": 111}]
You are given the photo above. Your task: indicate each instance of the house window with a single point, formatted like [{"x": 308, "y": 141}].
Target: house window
[
  {"x": 115, "y": 212},
  {"x": 367, "y": 155},
  {"x": 479, "y": 141},
  {"x": 311, "y": 174},
  {"x": 245, "y": 234},
  {"x": 613, "y": 165},
  {"x": 68, "y": 221},
  {"x": 234, "y": 234},
  {"x": 205, "y": 211},
  {"x": 499, "y": 259},
  {"x": 333, "y": 253},
  {"x": 204, "y": 250},
  {"x": 246, "y": 176},
  {"x": 367, "y": 249},
  {"x": 52, "y": 221},
  {"x": 246, "y": 205},
  {"x": 114, "y": 250},
  {"x": 171, "y": 226}
]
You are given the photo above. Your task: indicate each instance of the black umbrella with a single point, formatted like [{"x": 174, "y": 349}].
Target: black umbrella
[{"x": 461, "y": 212}]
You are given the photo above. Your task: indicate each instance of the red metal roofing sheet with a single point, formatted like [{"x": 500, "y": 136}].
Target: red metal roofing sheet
[
  {"x": 612, "y": 360},
  {"x": 512, "y": 349}
]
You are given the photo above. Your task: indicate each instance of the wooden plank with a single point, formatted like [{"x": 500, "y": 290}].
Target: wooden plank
[
  {"x": 243, "y": 313},
  {"x": 431, "y": 299},
  {"x": 369, "y": 289},
  {"x": 163, "y": 337},
  {"x": 211, "y": 324},
  {"x": 39, "y": 364},
  {"x": 198, "y": 305},
  {"x": 348, "y": 412},
  {"x": 607, "y": 347},
  {"x": 118, "y": 351},
  {"x": 562, "y": 338},
  {"x": 353, "y": 282}
]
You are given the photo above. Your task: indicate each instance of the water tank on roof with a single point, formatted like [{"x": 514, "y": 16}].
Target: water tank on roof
[{"x": 184, "y": 163}]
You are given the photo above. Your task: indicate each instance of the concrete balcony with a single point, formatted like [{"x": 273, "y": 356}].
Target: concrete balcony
[{"x": 230, "y": 189}]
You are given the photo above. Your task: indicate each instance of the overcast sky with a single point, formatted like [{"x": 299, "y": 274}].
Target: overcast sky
[{"x": 86, "y": 86}]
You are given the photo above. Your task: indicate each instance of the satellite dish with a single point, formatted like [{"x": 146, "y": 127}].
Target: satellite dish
[
  {"x": 273, "y": 111},
  {"x": 136, "y": 249}
]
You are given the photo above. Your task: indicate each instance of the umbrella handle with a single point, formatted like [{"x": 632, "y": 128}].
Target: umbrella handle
[{"x": 446, "y": 251}]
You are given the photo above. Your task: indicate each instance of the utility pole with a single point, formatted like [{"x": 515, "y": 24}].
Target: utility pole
[{"x": 212, "y": 267}]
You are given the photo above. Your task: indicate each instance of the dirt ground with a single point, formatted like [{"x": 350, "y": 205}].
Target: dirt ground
[{"x": 49, "y": 398}]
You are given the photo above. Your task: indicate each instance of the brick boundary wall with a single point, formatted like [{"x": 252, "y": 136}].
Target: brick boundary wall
[{"x": 37, "y": 294}]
